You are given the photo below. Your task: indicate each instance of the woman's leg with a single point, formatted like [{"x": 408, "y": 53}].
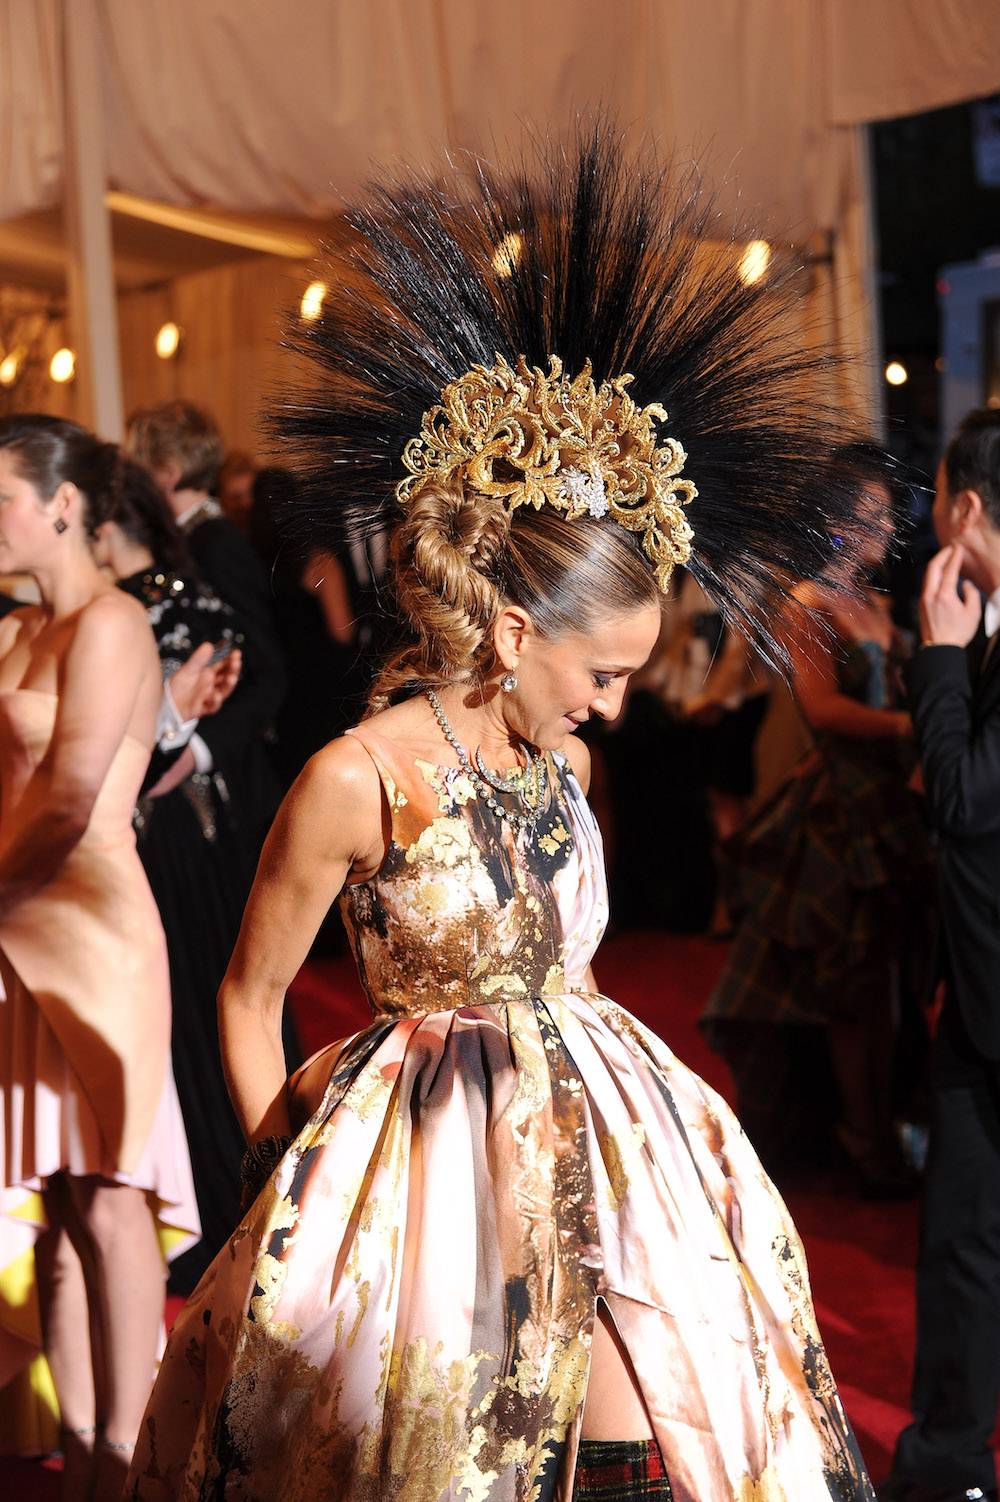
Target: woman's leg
[
  {"x": 614, "y": 1409},
  {"x": 127, "y": 1289},
  {"x": 618, "y": 1459},
  {"x": 66, "y": 1318},
  {"x": 861, "y": 1052}
]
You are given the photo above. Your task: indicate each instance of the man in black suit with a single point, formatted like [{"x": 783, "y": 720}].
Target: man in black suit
[{"x": 954, "y": 681}]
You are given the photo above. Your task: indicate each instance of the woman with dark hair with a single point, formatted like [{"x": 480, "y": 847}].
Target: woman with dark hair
[
  {"x": 191, "y": 846},
  {"x": 93, "y": 1161},
  {"x": 504, "y": 1245},
  {"x": 831, "y": 881}
]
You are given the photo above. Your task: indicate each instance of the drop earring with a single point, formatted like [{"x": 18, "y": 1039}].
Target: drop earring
[
  {"x": 509, "y": 682},
  {"x": 61, "y": 525}
]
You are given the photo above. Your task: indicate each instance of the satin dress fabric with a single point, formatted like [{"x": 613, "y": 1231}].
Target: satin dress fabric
[
  {"x": 85, "y": 1081},
  {"x": 407, "y": 1309}
]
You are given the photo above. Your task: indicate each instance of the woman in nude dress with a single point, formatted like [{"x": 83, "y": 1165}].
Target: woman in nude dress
[{"x": 94, "y": 1167}]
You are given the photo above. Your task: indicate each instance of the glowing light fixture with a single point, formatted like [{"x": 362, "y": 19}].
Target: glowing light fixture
[
  {"x": 168, "y": 341},
  {"x": 312, "y": 301},
  {"x": 62, "y": 366},
  {"x": 10, "y": 367},
  {"x": 508, "y": 254},
  {"x": 896, "y": 373},
  {"x": 754, "y": 262}
]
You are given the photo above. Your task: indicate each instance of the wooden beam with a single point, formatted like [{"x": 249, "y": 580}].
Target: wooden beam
[
  {"x": 90, "y": 281},
  {"x": 296, "y": 246}
]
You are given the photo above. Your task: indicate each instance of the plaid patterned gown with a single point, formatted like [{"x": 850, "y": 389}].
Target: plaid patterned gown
[{"x": 406, "y": 1312}]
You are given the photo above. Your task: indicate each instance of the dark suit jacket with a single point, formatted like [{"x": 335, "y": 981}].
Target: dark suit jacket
[
  {"x": 956, "y": 712},
  {"x": 227, "y": 562}
]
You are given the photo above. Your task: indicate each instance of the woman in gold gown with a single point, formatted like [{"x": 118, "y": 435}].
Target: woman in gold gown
[{"x": 505, "y": 1246}]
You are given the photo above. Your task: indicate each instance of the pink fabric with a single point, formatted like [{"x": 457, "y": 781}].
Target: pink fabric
[{"x": 85, "y": 1079}]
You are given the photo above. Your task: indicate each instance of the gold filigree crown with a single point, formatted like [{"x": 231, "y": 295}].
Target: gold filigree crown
[{"x": 527, "y": 438}]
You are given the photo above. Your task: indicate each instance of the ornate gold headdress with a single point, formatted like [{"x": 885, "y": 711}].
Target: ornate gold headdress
[
  {"x": 527, "y": 438},
  {"x": 617, "y": 262}
]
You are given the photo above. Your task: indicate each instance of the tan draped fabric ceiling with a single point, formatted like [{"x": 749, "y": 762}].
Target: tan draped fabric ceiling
[
  {"x": 264, "y": 107},
  {"x": 254, "y": 104}
]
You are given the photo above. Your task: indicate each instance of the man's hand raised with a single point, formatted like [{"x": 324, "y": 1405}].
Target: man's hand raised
[{"x": 949, "y": 611}]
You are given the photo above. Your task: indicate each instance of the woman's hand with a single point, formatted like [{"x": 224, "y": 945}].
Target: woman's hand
[{"x": 200, "y": 687}]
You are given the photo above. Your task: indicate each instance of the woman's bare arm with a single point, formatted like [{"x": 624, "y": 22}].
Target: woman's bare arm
[
  {"x": 110, "y": 686},
  {"x": 326, "y": 576},
  {"x": 330, "y": 823}
]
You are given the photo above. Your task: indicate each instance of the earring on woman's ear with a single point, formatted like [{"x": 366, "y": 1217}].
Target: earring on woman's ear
[
  {"x": 61, "y": 525},
  {"x": 509, "y": 682}
]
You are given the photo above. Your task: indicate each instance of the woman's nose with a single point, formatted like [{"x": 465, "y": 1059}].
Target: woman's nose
[{"x": 608, "y": 703}]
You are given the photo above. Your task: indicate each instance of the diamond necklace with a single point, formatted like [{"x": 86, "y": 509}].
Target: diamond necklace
[{"x": 528, "y": 787}]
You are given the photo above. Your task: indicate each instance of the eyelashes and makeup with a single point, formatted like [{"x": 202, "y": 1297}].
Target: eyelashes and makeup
[{"x": 603, "y": 680}]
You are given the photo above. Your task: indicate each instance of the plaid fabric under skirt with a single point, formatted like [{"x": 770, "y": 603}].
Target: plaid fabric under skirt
[
  {"x": 618, "y": 1470},
  {"x": 829, "y": 882}
]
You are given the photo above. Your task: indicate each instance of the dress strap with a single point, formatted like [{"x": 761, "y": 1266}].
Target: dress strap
[{"x": 392, "y": 777}]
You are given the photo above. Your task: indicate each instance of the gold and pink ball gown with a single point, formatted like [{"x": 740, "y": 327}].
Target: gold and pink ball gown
[{"x": 406, "y": 1311}]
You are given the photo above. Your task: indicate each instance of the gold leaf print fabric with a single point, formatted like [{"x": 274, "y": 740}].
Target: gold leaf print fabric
[{"x": 406, "y": 1312}]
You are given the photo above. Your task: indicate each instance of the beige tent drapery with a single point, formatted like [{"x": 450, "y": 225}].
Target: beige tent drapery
[
  {"x": 250, "y": 104},
  {"x": 255, "y": 106}
]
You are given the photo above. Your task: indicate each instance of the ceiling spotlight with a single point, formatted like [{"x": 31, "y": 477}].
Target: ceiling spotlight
[
  {"x": 10, "y": 367},
  {"x": 508, "y": 254},
  {"x": 311, "y": 305},
  {"x": 896, "y": 373},
  {"x": 754, "y": 262},
  {"x": 62, "y": 366},
  {"x": 168, "y": 341}
]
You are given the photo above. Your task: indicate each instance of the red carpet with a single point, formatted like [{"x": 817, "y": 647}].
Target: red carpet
[{"x": 860, "y": 1255}]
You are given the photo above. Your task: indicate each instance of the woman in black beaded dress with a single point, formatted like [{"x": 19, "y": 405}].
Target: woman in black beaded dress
[{"x": 199, "y": 865}]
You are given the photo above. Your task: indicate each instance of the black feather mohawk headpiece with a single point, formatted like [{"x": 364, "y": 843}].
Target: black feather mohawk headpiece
[{"x": 616, "y": 265}]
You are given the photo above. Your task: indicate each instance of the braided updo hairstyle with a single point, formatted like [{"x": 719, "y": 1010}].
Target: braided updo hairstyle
[
  {"x": 458, "y": 559},
  {"x": 51, "y": 450}
]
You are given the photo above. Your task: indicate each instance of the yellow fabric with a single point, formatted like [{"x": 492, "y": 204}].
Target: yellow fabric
[{"x": 29, "y": 1412}]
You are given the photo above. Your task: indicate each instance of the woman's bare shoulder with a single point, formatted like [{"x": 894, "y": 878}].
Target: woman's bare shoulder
[
  {"x": 341, "y": 768},
  {"x": 577, "y": 753},
  {"x": 334, "y": 808},
  {"x": 114, "y": 616}
]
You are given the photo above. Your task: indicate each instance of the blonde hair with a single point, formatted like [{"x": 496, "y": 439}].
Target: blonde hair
[
  {"x": 459, "y": 558},
  {"x": 181, "y": 433}
]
